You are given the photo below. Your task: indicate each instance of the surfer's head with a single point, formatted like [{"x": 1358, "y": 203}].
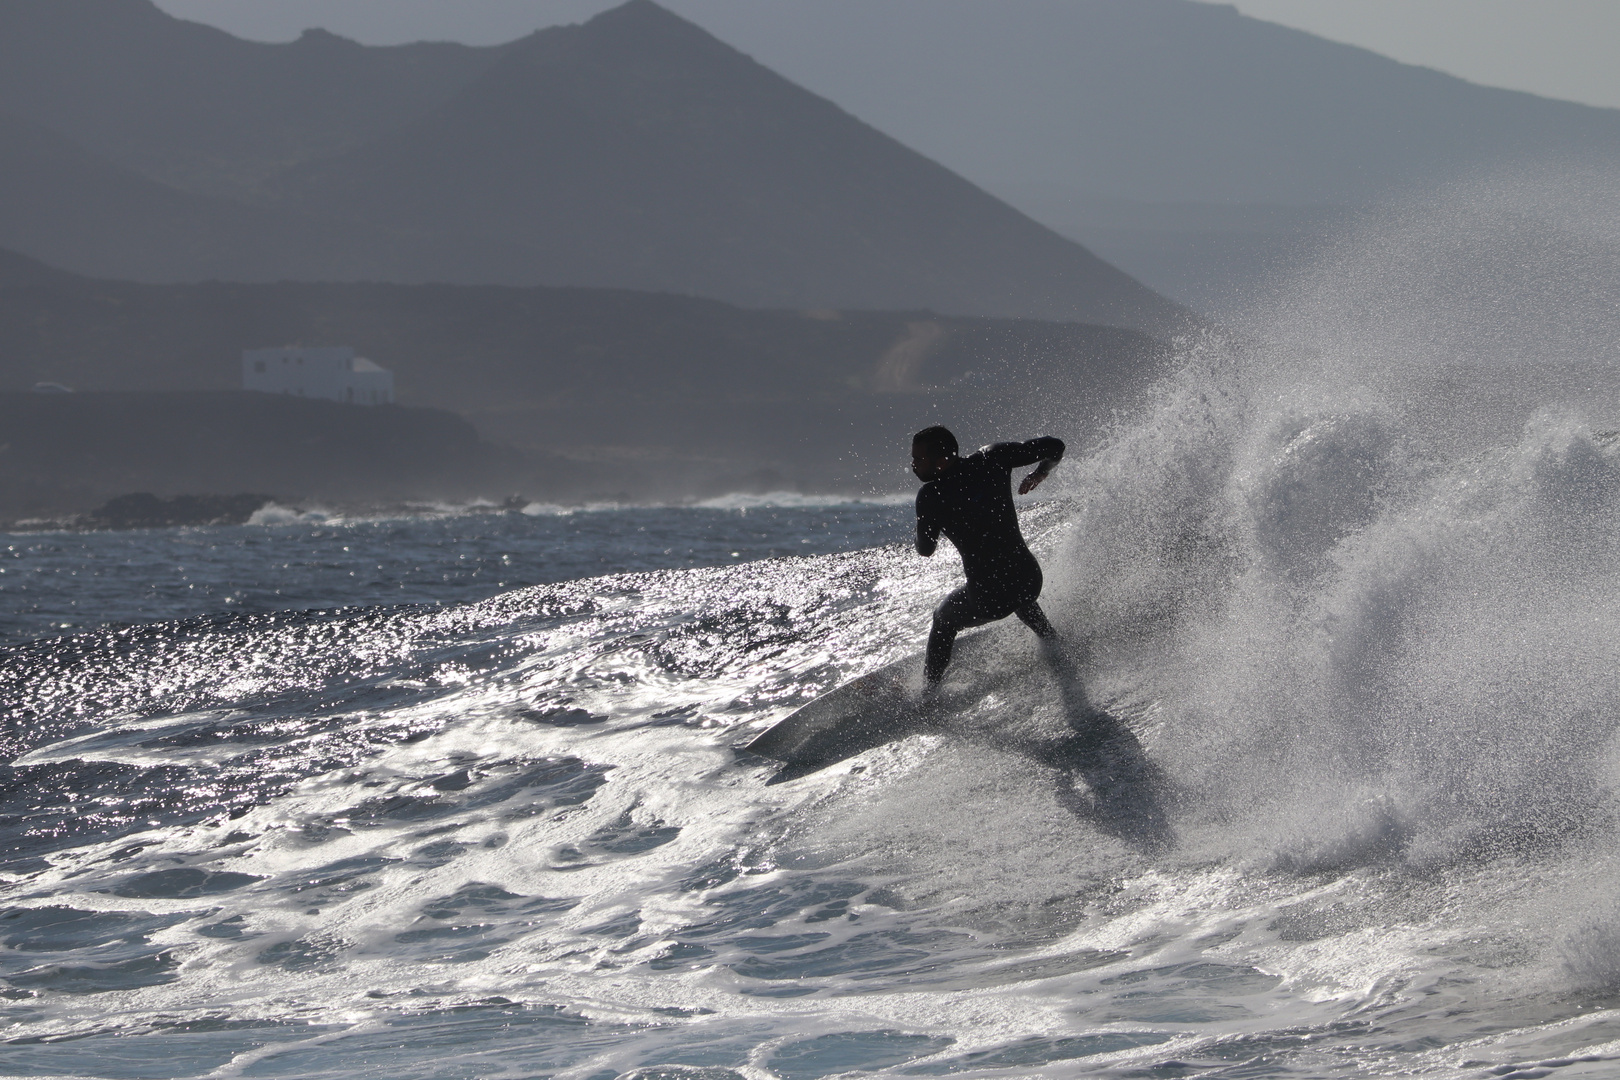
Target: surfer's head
[{"x": 933, "y": 453}]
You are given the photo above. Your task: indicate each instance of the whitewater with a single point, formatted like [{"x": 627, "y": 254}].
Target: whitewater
[{"x": 344, "y": 800}]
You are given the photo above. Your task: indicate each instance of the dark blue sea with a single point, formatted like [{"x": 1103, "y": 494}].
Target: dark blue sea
[
  {"x": 459, "y": 793},
  {"x": 304, "y": 559}
]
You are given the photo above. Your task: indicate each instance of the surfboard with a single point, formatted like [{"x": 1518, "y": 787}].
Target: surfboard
[
  {"x": 868, "y": 712},
  {"x": 872, "y": 710}
]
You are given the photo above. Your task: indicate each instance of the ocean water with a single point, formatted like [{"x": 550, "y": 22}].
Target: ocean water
[
  {"x": 465, "y": 798},
  {"x": 302, "y": 559}
]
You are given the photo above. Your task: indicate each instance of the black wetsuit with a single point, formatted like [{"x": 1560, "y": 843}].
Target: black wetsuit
[{"x": 972, "y": 506}]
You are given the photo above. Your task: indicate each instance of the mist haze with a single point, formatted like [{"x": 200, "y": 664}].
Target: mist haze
[{"x": 462, "y": 602}]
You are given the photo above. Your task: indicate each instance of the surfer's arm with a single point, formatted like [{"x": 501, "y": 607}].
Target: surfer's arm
[
  {"x": 927, "y": 527},
  {"x": 1015, "y": 455},
  {"x": 927, "y": 537},
  {"x": 1046, "y": 451}
]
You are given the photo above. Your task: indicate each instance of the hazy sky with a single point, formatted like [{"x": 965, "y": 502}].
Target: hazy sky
[{"x": 1559, "y": 48}]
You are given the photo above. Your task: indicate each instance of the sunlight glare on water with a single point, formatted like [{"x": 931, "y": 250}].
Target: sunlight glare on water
[{"x": 1347, "y": 584}]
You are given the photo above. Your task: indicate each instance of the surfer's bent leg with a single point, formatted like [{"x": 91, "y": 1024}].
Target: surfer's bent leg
[
  {"x": 955, "y": 613},
  {"x": 1033, "y": 617}
]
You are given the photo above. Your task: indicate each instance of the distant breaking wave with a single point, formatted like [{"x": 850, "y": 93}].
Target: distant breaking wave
[{"x": 737, "y": 501}]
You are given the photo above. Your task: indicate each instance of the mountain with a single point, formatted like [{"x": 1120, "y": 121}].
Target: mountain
[
  {"x": 1155, "y": 101},
  {"x": 1194, "y": 147},
  {"x": 633, "y": 151},
  {"x": 70, "y": 208},
  {"x": 1188, "y": 144},
  {"x": 198, "y": 109},
  {"x": 638, "y": 151},
  {"x": 67, "y": 205},
  {"x": 19, "y": 270}
]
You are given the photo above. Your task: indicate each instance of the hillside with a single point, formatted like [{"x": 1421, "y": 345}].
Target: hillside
[
  {"x": 638, "y": 151},
  {"x": 198, "y": 109},
  {"x": 74, "y": 209},
  {"x": 658, "y": 394},
  {"x": 633, "y": 151},
  {"x": 67, "y": 453},
  {"x": 17, "y": 270}
]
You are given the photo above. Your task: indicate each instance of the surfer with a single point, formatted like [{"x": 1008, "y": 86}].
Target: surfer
[{"x": 969, "y": 500}]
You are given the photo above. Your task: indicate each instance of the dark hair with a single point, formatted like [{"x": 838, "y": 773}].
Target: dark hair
[{"x": 938, "y": 440}]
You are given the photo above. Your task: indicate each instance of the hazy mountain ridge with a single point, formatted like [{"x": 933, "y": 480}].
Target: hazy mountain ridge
[
  {"x": 684, "y": 165},
  {"x": 1137, "y": 127},
  {"x": 75, "y": 209},
  {"x": 197, "y": 108},
  {"x": 1173, "y": 101},
  {"x": 67, "y": 207},
  {"x": 633, "y": 151},
  {"x": 1198, "y": 149},
  {"x": 19, "y": 270}
]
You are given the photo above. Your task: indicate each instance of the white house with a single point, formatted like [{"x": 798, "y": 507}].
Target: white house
[{"x": 332, "y": 372}]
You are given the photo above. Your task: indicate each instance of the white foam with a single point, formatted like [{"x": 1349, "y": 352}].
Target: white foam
[{"x": 276, "y": 514}]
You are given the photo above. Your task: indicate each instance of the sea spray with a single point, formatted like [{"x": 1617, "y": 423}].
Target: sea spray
[{"x": 1363, "y": 553}]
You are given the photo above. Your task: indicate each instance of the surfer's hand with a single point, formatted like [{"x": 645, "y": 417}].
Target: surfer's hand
[{"x": 1033, "y": 481}]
